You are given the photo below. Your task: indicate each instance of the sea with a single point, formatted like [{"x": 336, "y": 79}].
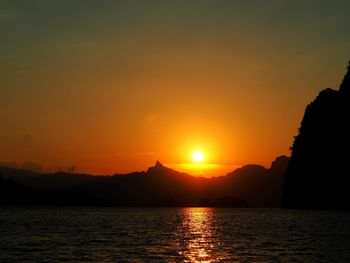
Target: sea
[{"x": 198, "y": 234}]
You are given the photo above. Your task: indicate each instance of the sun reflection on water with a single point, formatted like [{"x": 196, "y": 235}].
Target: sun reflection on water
[{"x": 198, "y": 234}]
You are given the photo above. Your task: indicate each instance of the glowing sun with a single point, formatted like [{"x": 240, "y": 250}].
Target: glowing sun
[{"x": 197, "y": 156}]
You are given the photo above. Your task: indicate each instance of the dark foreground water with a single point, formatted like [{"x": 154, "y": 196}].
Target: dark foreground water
[{"x": 173, "y": 235}]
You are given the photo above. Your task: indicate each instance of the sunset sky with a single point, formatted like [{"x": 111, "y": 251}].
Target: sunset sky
[{"x": 113, "y": 86}]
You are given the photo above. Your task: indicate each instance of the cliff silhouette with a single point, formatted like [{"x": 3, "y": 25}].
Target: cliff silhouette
[
  {"x": 318, "y": 171},
  {"x": 251, "y": 185}
]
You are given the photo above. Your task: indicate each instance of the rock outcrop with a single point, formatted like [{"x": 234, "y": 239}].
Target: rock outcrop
[{"x": 318, "y": 174}]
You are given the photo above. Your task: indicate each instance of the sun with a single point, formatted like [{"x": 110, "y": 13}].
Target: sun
[{"x": 197, "y": 156}]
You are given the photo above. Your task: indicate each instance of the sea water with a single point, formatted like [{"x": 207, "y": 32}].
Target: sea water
[{"x": 173, "y": 235}]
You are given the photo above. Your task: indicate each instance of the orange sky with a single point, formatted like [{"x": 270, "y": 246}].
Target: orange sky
[{"x": 112, "y": 87}]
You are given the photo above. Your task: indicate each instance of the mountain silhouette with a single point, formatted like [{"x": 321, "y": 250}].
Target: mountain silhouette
[
  {"x": 251, "y": 185},
  {"x": 14, "y": 193},
  {"x": 262, "y": 186},
  {"x": 318, "y": 171}
]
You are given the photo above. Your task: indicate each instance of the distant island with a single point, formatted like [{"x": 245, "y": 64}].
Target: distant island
[
  {"x": 318, "y": 174},
  {"x": 249, "y": 186}
]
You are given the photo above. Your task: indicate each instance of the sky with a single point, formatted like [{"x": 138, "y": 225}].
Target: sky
[{"x": 107, "y": 87}]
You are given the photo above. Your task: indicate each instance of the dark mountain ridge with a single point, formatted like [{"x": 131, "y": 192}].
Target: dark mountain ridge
[{"x": 251, "y": 185}]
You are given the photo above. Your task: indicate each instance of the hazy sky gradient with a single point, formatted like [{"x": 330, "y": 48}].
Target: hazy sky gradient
[{"x": 113, "y": 86}]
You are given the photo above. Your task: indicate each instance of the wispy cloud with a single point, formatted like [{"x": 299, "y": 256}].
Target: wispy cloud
[{"x": 136, "y": 153}]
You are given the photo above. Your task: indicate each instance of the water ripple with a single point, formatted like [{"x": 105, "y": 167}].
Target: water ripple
[{"x": 173, "y": 235}]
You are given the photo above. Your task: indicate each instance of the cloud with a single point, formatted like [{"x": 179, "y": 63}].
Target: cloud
[
  {"x": 38, "y": 168},
  {"x": 31, "y": 166}
]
